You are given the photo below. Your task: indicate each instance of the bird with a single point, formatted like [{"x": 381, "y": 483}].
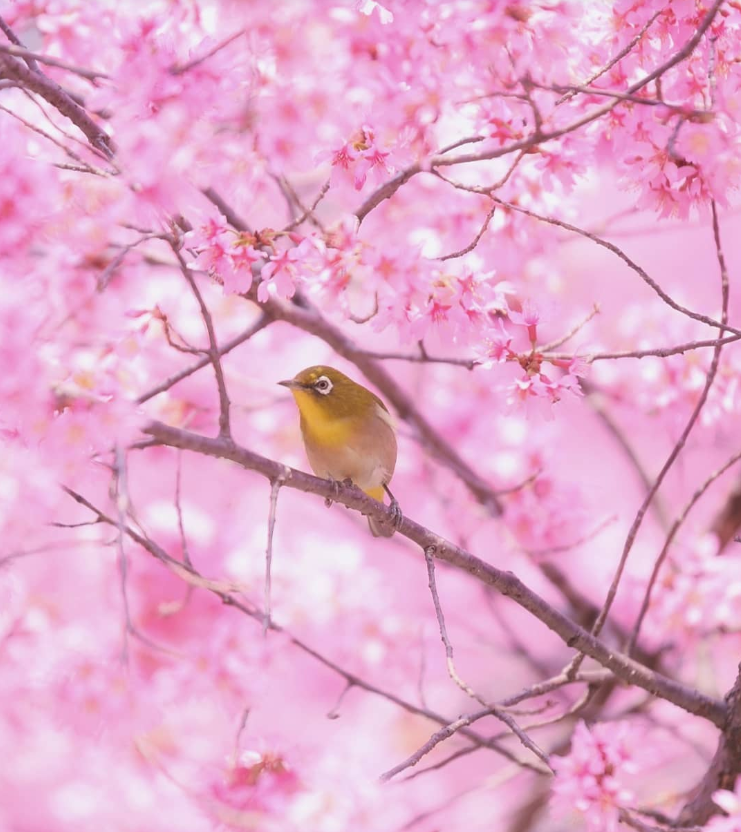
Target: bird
[{"x": 349, "y": 435}]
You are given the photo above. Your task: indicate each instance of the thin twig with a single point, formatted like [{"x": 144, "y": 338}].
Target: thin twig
[
  {"x": 472, "y": 245},
  {"x": 260, "y": 324},
  {"x": 179, "y": 70},
  {"x": 630, "y": 263},
  {"x": 499, "y": 713},
  {"x": 309, "y": 212},
  {"x": 580, "y": 541},
  {"x": 82, "y": 164},
  {"x": 27, "y": 54},
  {"x": 679, "y": 445},
  {"x": 13, "y": 38},
  {"x": 552, "y": 345},
  {"x": 214, "y": 354},
  {"x": 334, "y": 711},
  {"x": 626, "y": 50},
  {"x": 227, "y": 592},
  {"x": 462, "y": 752},
  {"x": 681, "y": 517},
  {"x": 275, "y": 486},
  {"x": 628, "y": 670}
]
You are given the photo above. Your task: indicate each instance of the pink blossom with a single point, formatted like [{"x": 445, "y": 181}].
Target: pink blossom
[
  {"x": 280, "y": 273},
  {"x": 528, "y": 316},
  {"x": 592, "y": 779}
]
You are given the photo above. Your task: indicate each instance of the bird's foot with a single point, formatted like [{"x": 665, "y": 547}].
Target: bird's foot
[
  {"x": 336, "y": 489},
  {"x": 335, "y": 492},
  {"x": 396, "y": 515}
]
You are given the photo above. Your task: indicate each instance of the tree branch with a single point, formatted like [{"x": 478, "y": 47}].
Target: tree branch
[
  {"x": 506, "y": 583},
  {"x": 51, "y": 91}
]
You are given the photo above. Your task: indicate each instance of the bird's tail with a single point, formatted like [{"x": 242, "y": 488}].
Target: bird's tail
[{"x": 378, "y": 527}]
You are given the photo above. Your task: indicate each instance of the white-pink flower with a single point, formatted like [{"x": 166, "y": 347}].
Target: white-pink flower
[{"x": 591, "y": 779}]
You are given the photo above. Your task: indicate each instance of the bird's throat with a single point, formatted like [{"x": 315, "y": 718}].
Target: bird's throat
[{"x": 321, "y": 426}]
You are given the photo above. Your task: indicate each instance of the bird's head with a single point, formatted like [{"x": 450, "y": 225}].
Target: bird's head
[{"x": 327, "y": 391}]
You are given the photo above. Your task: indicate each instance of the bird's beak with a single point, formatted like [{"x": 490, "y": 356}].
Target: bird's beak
[{"x": 292, "y": 384}]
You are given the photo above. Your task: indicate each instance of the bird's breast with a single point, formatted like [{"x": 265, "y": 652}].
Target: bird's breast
[{"x": 363, "y": 450}]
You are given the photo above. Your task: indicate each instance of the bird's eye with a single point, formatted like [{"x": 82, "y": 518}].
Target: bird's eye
[{"x": 323, "y": 385}]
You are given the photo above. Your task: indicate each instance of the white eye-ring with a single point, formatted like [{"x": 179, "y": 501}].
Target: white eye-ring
[{"x": 323, "y": 385}]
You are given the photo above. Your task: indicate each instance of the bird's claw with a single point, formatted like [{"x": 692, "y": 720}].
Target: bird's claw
[
  {"x": 396, "y": 515},
  {"x": 335, "y": 492},
  {"x": 336, "y": 489}
]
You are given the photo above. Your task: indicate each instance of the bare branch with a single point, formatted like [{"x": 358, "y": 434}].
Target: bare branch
[
  {"x": 499, "y": 713},
  {"x": 59, "y": 99},
  {"x": 13, "y": 38},
  {"x": 667, "y": 543},
  {"x": 214, "y": 354},
  {"x": 231, "y": 217},
  {"x": 179, "y": 70},
  {"x": 626, "y": 50},
  {"x": 260, "y": 324},
  {"x": 552, "y": 345},
  {"x": 472, "y": 245},
  {"x": 27, "y": 54},
  {"x": 628, "y": 670},
  {"x": 679, "y": 445},
  {"x": 226, "y": 592},
  {"x": 309, "y": 212},
  {"x": 630, "y": 263},
  {"x": 274, "y": 489},
  {"x": 725, "y": 767}
]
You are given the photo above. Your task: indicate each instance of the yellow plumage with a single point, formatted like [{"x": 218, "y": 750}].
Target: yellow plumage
[{"x": 347, "y": 431}]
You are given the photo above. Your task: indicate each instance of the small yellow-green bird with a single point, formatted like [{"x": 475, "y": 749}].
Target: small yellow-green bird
[{"x": 348, "y": 433}]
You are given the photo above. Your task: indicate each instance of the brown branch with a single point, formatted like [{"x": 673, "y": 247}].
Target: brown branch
[
  {"x": 260, "y": 324},
  {"x": 545, "y": 350},
  {"x": 51, "y": 91},
  {"x": 667, "y": 543},
  {"x": 472, "y": 245},
  {"x": 227, "y": 593},
  {"x": 309, "y": 212},
  {"x": 462, "y": 752},
  {"x": 552, "y": 345},
  {"x": 626, "y": 50},
  {"x": 214, "y": 354},
  {"x": 13, "y": 38},
  {"x": 656, "y": 352},
  {"x": 179, "y": 70},
  {"x": 468, "y": 363},
  {"x": 443, "y": 734},
  {"x": 725, "y": 767},
  {"x": 27, "y": 54},
  {"x": 679, "y": 445},
  {"x": 231, "y": 217},
  {"x": 618, "y": 252},
  {"x": 499, "y": 713},
  {"x": 506, "y": 583},
  {"x": 274, "y": 489}
]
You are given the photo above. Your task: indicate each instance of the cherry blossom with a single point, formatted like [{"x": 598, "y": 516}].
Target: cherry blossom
[{"x": 515, "y": 223}]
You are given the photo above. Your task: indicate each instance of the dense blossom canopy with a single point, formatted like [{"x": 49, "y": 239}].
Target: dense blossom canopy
[{"x": 516, "y": 221}]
